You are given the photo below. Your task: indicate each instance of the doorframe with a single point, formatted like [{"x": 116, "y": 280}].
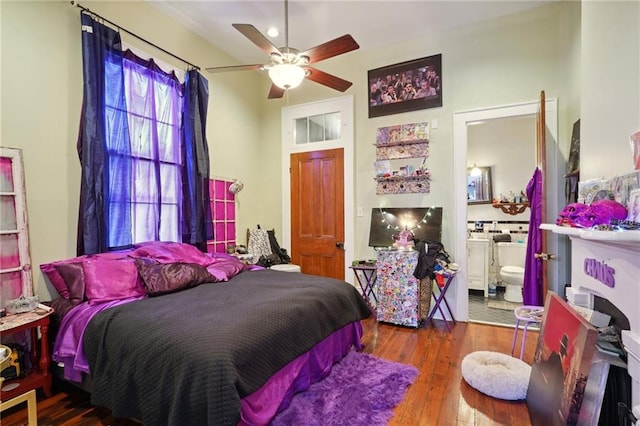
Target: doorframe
[
  {"x": 460, "y": 121},
  {"x": 343, "y": 104}
]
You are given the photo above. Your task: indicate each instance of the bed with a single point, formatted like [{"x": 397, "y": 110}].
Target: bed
[{"x": 231, "y": 349}]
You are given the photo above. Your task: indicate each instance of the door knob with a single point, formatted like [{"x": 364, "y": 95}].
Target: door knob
[
  {"x": 545, "y": 256},
  {"x": 340, "y": 244}
]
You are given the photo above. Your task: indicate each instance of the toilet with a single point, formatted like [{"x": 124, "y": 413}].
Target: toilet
[{"x": 511, "y": 259}]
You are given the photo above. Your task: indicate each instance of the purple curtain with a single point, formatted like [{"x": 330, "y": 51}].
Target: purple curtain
[
  {"x": 196, "y": 203},
  {"x": 532, "y": 286},
  {"x": 103, "y": 116},
  {"x": 132, "y": 132}
]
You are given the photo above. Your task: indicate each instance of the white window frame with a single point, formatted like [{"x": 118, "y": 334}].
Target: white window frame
[{"x": 22, "y": 228}]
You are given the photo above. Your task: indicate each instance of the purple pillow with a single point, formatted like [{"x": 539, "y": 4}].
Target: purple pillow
[
  {"x": 49, "y": 269},
  {"x": 73, "y": 276},
  {"x": 164, "y": 278},
  {"x": 170, "y": 252},
  {"x": 224, "y": 267},
  {"x": 111, "y": 279}
]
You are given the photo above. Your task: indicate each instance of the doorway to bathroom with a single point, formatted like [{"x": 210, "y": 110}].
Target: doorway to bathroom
[
  {"x": 506, "y": 148},
  {"x": 490, "y": 121}
]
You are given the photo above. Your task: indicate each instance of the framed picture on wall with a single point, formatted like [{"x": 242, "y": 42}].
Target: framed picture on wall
[{"x": 407, "y": 86}]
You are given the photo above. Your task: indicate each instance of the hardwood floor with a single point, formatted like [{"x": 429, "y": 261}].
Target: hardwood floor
[{"x": 439, "y": 396}]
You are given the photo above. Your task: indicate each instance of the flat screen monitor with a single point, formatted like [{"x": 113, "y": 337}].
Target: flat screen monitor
[{"x": 424, "y": 222}]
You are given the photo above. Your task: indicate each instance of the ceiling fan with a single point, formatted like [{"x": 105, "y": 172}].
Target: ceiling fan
[{"x": 287, "y": 66}]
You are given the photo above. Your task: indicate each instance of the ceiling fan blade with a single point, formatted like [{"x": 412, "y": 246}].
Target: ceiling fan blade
[
  {"x": 235, "y": 68},
  {"x": 251, "y": 32},
  {"x": 327, "y": 79},
  {"x": 332, "y": 48},
  {"x": 275, "y": 92}
]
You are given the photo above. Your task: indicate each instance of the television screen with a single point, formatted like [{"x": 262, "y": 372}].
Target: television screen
[{"x": 424, "y": 222}]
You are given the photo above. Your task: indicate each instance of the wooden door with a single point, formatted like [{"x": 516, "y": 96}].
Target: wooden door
[
  {"x": 317, "y": 212},
  {"x": 541, "y": 162},
  {"x": 15, "y": 263}
]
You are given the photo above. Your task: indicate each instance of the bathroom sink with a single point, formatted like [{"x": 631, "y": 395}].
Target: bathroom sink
[
  {"x": 477, "y": 236},
  {"x": 474, "y": 238}
]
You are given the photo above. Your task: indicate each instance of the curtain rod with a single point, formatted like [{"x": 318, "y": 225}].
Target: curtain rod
[{"x": 74, "y": 3}]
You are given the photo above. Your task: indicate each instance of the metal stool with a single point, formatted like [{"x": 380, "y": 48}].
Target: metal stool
[{"x": 528, "y": 315}]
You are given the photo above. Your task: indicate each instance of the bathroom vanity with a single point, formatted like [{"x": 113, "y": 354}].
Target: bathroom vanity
[{"x": 478, "y": 265}]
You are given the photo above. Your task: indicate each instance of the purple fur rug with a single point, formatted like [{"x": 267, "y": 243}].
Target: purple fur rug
[{"x": 361, "y": 390}]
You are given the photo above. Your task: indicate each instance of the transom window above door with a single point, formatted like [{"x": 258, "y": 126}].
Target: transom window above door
[{"x": 317, "y": 128}]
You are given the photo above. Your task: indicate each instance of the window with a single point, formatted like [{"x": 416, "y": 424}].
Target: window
[
  {"x": 223, "y": 211},
  {"x": 145, "y": 168},
  {"x": 317, "y": 128},
  {"x": 15, "y": 268}
]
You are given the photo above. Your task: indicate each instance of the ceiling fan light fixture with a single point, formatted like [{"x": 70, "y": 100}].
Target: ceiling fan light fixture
[{"x": 286, "y": 76}]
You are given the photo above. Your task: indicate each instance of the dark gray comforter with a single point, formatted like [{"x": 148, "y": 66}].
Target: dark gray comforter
[{"x": 189, "y": 357}]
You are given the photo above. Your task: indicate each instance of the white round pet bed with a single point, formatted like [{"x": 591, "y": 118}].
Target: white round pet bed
[{"x": 496, "y": 374}]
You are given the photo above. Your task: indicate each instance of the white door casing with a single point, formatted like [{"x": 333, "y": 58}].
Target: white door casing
[
  {"x": 460, "y": 121},
  {"x": 344, "y": 105}
]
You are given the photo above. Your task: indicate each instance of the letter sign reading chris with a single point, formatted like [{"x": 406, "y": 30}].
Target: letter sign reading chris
[{"x": 600, "y": 271}]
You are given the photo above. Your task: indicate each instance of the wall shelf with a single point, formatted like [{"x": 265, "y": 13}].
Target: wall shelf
[
  {"x": 402, "y": 184},
  {"x": 397, "y": 150},
  {"x": 511, "y": 208},
  {"x": 396, "y": 143},
  {"x": 393, "y": 143}
]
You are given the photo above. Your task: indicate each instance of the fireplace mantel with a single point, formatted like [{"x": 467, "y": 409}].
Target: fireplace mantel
[{"x": 607, "y": 264}]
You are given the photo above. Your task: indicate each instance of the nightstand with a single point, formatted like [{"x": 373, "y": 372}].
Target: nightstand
[{"x": 38, "y": 376}]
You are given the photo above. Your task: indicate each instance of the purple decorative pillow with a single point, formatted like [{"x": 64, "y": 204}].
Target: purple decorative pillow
[
  {"x": 111, "y": 279},
  {"x": 170, "y": 252},
  {"x": 73, "y": 276},
  {"x": 49, "y": 269},
  {"x": 164, "y": 278},
  {"x": 224, "y": 267}
]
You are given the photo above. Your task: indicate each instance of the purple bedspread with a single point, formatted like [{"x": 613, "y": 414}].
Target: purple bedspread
[
  {"x": 190, "y": 357},
  {"x": 275, "y": 396},
  {"x": 69, "y": 344}
]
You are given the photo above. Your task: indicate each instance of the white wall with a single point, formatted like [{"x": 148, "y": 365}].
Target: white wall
[{"x": 610, "y": 103}]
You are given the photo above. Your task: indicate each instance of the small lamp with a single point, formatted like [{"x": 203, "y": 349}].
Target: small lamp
[{"x": 475, "y": 171}]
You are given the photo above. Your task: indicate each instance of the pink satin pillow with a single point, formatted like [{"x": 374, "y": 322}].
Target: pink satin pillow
[
  {"x": 169, "y": 252},
  {"x": 224, "y": 266},
  {"x": 59, "y": 282},
  {"x": 111, "y": 279}
]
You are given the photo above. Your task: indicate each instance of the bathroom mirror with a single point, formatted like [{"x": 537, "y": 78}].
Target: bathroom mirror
[{"x": 479, "y": 186}]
